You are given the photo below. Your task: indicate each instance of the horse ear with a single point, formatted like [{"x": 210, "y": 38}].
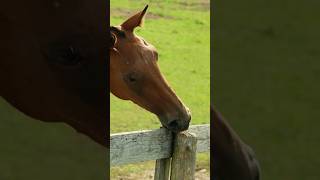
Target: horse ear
[
  {"x": 135, "y": 20},
  {"x": 113, "y": 40}
]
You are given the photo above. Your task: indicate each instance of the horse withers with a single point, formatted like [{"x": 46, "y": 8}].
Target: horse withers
[{"x": 135, "y": 75}]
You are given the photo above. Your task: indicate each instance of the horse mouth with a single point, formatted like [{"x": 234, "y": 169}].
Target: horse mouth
[
  {"x": 176, "y": 124},
  {"x": 175, "y": 129}
]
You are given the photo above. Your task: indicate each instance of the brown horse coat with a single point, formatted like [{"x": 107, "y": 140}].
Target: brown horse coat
[
  {"x": 232, "y": 158},
  {"x": 53, "y": 62},
  {"x": 54, "y": 66},
  {"x": 136, "y": 76}
]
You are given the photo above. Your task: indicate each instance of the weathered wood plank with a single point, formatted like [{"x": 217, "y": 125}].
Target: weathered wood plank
[
  {"x": 162, "y": 169},
  {"x": 203, "y": 137},
  {"x": 140, "y": 146},
  {"x": 183, "y": 163},
  {"x": 132, "y": 147}
]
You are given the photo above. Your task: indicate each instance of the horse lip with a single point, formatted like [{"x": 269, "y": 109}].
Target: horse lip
[{"x": 176, "y": 129}]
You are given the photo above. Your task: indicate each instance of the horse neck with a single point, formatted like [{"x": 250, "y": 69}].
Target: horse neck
[{"x": 230, "y": 153}]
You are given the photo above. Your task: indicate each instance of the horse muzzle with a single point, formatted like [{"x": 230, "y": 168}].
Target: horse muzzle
[{"x": 177, "y": 123}]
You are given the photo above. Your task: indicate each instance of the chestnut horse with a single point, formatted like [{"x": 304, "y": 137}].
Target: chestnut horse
[
  {"x": 135, "y": 75},
  {"x": 53, "y": 63},
  {"x": 130, "y": 58},
  {"x": 53, "y": 66}
]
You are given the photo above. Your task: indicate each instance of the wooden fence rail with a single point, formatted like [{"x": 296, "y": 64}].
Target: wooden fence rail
[{"x": 174, "y": 154}]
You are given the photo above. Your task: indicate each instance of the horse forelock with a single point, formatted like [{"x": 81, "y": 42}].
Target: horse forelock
[{"x": 117, "y": 32}]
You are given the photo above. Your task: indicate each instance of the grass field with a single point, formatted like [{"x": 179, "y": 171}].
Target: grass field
[
  {"x": 31, "y": 149},
  {"x": 180, "y": 30},
  {"x": 266, "y": 81}
]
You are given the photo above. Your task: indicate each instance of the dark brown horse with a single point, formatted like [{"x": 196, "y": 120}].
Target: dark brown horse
[
  {"x": 135, "y": 75},
  {"x": 53, "y": 62},
  {"x": 232, "y": 158}
]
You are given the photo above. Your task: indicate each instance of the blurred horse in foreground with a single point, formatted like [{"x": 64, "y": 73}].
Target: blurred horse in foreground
[
  {"x": 53, "y": 63},
  {"x": 232, "y": 158}
]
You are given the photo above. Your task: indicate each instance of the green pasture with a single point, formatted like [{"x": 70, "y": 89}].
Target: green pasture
[
  {"x": 31, "y": 149},
  {"x": 266, "y": 74},
  {"x": 180, "y": 30}
]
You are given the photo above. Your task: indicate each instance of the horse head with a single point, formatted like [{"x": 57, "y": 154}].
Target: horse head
[
  {"x": 53, "y": 62},
  {"x": 135, "y": 75}
]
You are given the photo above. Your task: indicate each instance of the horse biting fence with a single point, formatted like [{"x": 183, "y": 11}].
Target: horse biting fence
[{"x": 175, "y": 155}]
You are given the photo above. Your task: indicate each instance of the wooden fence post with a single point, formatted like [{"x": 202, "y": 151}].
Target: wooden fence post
[
  {"x": 162, "y": 169},
  {"x": 184, "y": 156},
  {"x": 175, "y": 153}
]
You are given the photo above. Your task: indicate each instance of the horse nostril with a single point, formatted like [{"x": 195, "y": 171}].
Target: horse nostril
[{"x": 173, "y": 124}]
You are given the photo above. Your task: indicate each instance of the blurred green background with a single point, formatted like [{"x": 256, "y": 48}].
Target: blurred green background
[
  {"x": 180, "y": 30},
  {"x": 266, "y": 75},
  {"x": 31, "y": 149}
]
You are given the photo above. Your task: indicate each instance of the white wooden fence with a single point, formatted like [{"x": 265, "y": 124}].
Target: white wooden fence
[{"x": 175, "y": 155}]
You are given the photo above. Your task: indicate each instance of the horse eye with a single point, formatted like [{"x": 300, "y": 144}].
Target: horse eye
[
  {"x": 64, "y": 55},
  {"x": 131, "y": 78},
  {"x": 69, "y": 56}
]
